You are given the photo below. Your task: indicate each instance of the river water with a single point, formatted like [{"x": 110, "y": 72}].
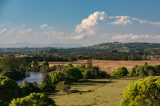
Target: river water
[{"x": 32, "y": 77}]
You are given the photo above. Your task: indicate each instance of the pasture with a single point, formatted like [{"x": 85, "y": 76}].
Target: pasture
[{"x": 97, "y": 92}]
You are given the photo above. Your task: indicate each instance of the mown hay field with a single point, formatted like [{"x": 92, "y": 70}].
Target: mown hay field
[{"x": 109, "y": 65}]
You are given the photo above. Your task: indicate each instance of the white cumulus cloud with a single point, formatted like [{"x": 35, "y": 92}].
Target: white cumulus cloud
[{"x": 87, "y": 24}]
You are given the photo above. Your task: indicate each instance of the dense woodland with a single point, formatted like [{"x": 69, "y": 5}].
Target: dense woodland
[{"x": 106, "y": 51}]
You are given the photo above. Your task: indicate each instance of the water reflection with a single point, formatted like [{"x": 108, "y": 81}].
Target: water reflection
[{"x": 32, "y": 77}]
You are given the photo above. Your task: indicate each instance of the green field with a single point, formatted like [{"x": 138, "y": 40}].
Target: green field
[{"x": 94, "y": 93}]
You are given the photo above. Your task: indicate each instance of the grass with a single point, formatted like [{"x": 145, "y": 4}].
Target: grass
[{"x": 94, "y": 93}]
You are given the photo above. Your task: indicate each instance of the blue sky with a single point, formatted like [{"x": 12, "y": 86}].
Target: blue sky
[{"x": 64, "y": 21}]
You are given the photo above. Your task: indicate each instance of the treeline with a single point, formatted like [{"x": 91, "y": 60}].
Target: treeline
[{"x": 106, "y": 51}]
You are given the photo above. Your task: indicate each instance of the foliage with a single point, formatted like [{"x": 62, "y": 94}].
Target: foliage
[
  {"x": 157, "y": 67},
  {"x": 143, "y": 92},
  {"x": 13, "y": 67},
  {"x": 28, "y": 87},
  {"x": 57, "y": 77},
  {"x": 141, "y": 71},
  {"x": 120, "y": 72},
  {"x": 72, "y": 73},
  {"x": 87, "y": 74},
  {"x": 93, "y": 72},
  {"x": 8, "y": 90},
  {"x": 62, "y": 86},
  {"x": 144, "y": 70},
  {"x": 46, "y": 87},
  {"x": 34, "y": 99},
  {"x": 103, "y": 74}
]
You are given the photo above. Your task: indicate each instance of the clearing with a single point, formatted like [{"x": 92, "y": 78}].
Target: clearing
[{"x": 98, "y": 92}]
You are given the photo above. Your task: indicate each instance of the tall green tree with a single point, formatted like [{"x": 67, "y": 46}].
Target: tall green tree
[{"x": 143, "y": 92}]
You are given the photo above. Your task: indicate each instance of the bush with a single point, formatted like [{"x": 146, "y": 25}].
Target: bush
[
  {"x": 45, "y": 87},
  {"x": 62, "y": 86},
  {"x": 57, "y": 77},
  {"x": 34, "y": 99},
  {"x": 140, "y": 71},
  {"x": 87, "y": 74},
  {"x": 145, "y": 70},
  {"x": 157, "y": 67},
  {"x": 120, "y": 72},
  {"x": 103, "y": 74},
  {"x": 143, "y": 92},
  {"x": 28, "y": 88},
  {"x": 133, "y": 72}
]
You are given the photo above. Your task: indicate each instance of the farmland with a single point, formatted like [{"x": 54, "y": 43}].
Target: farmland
[{"x": 110, "y": 65}]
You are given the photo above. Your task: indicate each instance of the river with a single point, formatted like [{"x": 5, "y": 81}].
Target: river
[{"x": 32, "y": 77}]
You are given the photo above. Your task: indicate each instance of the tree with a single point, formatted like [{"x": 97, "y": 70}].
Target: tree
[
  {"x": 34, "y": 99},
  {"x": 72, "y": 73},
  {"x": 28, "y": 87},
  {"x": 9, "y": 89},
  {"x": 56, "y": 77},
  {"x": 13, "y": 67},
  {"x": 44, "y": 67},
  {"x": 143, "y": 92},
  {"x": 120, "y": 72}
]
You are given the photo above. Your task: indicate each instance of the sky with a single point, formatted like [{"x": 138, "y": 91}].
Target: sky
[{"x": 72, "y": 23}]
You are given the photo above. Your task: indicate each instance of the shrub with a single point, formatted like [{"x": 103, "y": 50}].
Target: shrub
[
  {"x": 28, "y": 87},
  {"x": 157, "y": 67},
  {"x": 57, "y": 77},
  {"x": 143, "y": 92},
  {"x": 87, "y": 74},
  {"x": 45, "y": 87},
  {"x": 34, "y": 99},
  {"x": 62, "y": 86},
  {"x": 141, "y": 71},
  {"x": 133, "y": 72},
  {"x": 120, "y": 72},
  {"x": 103, "y": 74},
  {"x": 145, "y": 70}
]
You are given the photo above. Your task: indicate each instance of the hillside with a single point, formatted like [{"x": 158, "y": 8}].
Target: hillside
[{"x": 107, "y": 51}]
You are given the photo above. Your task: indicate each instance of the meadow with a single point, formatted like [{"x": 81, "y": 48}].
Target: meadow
[{"x": 95, "y": 92}]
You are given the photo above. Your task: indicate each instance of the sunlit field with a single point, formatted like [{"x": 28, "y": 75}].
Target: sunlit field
[
  {"x": 94, "y": 93},
  {"x": 110, "y": 65}
]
